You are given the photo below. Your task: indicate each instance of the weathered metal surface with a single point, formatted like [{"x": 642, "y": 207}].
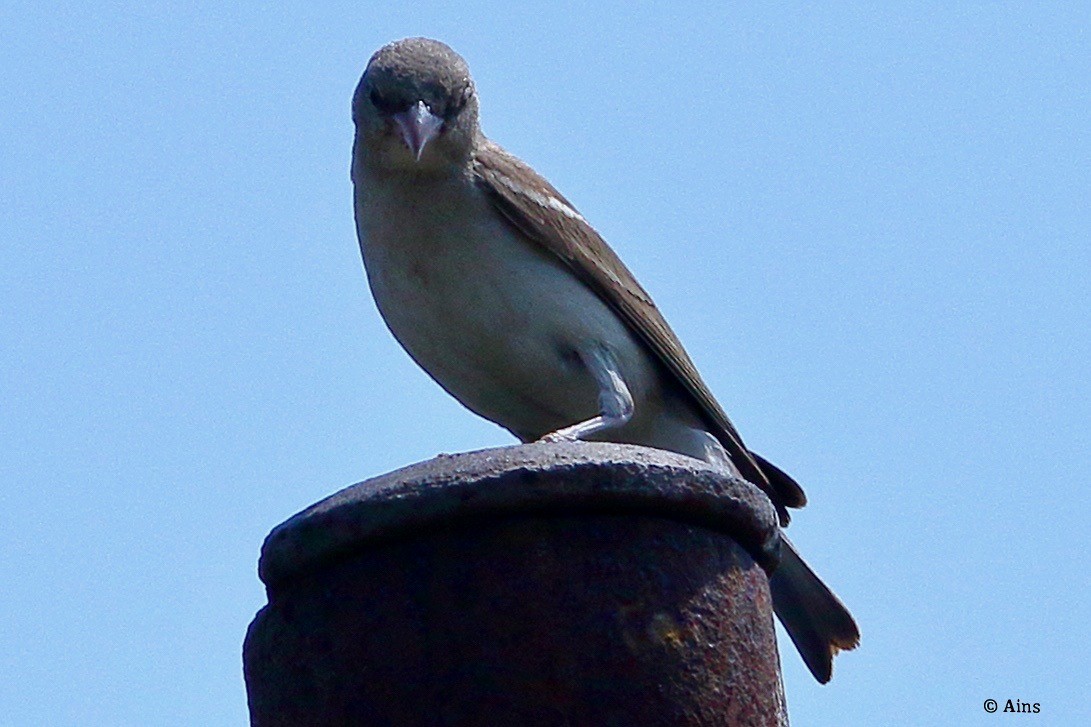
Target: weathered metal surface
[{"x": 561, "y": 584}]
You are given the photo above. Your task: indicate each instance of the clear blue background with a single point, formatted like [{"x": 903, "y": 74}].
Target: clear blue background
[{"x": 870, "y": 227}]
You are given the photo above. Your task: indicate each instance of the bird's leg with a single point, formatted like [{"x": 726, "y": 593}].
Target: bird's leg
[{"x": 615, "y": 401}]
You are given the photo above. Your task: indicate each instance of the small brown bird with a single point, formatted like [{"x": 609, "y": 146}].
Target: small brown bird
[{"x": 509, "y": 299}]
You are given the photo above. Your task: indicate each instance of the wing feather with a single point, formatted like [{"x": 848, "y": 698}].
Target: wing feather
[{"x": 542, "y": 214}]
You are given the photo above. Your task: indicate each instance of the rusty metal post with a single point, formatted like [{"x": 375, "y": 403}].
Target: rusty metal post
[{"x": 543, "y": 584}]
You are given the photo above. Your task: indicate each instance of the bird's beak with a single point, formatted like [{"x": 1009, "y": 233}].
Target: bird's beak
[{"x": 418, "y": 126}]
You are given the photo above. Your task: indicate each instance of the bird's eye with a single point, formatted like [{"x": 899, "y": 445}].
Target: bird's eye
[
  {"x": 382, "y": 102},
  {"x": 459, "y": 101}
]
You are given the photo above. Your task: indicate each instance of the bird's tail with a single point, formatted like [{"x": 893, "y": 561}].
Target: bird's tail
[{"x": 814, "y": 617}]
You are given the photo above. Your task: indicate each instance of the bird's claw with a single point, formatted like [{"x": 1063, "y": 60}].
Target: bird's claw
[{"x": 558, "y": 436}]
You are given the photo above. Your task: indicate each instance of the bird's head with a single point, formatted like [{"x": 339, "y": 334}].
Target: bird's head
[{"x": 415, "y": 108}]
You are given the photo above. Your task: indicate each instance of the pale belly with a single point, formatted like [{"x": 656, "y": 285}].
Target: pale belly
[{"x": 498, "y": 322}]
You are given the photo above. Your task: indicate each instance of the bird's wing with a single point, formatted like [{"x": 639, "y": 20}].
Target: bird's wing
[{"x": 542, "y": 214}]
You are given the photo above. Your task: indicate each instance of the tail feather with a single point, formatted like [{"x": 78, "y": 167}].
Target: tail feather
[
  {"x": 787, "y": 490},
  {"x": 814, "y": 617}
]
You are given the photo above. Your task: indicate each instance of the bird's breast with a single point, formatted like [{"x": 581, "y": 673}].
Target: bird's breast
[{"x": 496, "y": 319}]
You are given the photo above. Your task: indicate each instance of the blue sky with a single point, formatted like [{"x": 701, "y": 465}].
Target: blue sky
[{"x": 869, "y": 226}]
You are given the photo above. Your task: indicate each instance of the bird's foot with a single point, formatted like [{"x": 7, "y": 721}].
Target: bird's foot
[{"x": 568, "y": 434}]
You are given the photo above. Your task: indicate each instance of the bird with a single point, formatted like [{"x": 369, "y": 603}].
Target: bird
[{"x": 509, "y": 299}]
